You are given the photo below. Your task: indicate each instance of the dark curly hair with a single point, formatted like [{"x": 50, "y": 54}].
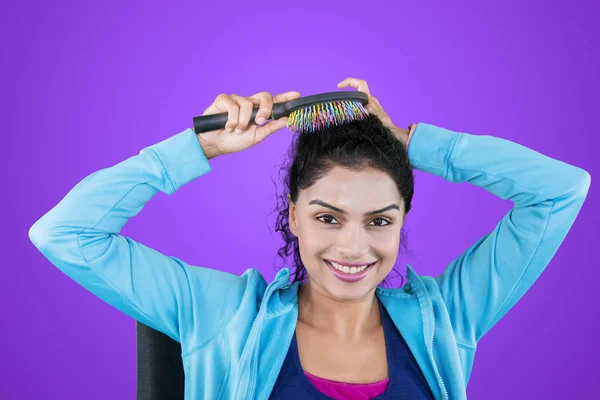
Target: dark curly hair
[{"x": 358, "y": 145}]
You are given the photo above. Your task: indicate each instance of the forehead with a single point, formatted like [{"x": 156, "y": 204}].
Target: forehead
[{"x": 353, "y": 190}]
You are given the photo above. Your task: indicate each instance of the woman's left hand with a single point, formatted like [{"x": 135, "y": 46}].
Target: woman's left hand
[{"x": 375, "y": 108}]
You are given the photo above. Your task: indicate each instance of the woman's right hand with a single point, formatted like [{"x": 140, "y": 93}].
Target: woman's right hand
[{"x": 239, "y": 134}]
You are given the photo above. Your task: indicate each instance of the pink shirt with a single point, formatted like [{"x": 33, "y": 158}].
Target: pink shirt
[{"x": 348, "y": 391}]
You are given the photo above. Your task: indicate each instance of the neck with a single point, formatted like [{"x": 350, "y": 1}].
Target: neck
[{"x": 345, "y": 320}]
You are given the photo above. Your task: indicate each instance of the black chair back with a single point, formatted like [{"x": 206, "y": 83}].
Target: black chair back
[{"x": 160, "y": 373}]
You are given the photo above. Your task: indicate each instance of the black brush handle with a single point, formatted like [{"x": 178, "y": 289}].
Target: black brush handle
[{"x": 213, "y": 122}]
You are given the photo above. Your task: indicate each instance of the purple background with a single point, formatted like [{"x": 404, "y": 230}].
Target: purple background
[{"x": 86, "y": 86}]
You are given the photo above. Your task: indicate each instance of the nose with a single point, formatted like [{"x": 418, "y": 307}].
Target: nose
[{"x": 351, "y": 244}]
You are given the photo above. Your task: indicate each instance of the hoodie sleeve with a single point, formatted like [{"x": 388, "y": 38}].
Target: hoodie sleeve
[
  {"x": 80, "y": 236},
  {"x": 484, "y": 282}
]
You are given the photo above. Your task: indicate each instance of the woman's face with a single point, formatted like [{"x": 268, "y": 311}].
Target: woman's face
[{"x": 350, "y": 217}]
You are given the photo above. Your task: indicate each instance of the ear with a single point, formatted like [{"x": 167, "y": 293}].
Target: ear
[{"x": 293, "y": 223}]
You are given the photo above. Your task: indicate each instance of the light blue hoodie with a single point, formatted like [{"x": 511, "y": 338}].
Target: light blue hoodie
[{"x": 235, "y": 330}]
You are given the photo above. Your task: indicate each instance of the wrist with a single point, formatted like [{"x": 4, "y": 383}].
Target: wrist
[
  {"x": 209, "y": 151},
  {"x": 411, "y": 131},
  {"x": 401, "y": 134}
]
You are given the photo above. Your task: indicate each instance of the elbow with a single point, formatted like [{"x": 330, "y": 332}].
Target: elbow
[
  {"x": 58, "y": 244},
  {"x": 39, "y": 235},
  {"x": 576, "y": 186},
  {"x": 44, "y": 235},
  {"x": 579, "y": 186},
  {"x": 582, "y": 184}
]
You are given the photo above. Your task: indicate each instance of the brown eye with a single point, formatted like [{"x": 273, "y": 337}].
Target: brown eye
[
  {"x": 385, "y": 221},
  {"x": 328, "y": 217}
]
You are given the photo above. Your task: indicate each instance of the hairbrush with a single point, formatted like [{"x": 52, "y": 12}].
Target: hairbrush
[{"x": 305, "y": 114}]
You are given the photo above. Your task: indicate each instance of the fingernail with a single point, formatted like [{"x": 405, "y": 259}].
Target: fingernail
[
  {"x": 260, "y": 120},
  {"x": 238, "y": 131}
]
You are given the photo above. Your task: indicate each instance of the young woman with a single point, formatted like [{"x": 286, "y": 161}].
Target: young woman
[{"x": 333, "y": 331}]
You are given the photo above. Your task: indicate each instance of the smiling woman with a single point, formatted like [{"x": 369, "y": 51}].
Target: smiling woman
[
  {"x": 347, "y": 191},
  {"x": 333, "y": 331}
]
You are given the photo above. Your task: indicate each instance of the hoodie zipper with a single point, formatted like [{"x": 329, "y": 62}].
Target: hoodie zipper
[
  {"x": 256, "y": 341},
  {"x": 441, "y": 380},
  {"x": 430, "y": 350}
]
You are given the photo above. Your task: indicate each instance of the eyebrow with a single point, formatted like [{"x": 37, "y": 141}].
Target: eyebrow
[{"x": 327, "y": 205}]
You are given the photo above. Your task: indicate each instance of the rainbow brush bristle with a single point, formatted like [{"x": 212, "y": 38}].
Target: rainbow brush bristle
[{"x": 325, "y": 115}]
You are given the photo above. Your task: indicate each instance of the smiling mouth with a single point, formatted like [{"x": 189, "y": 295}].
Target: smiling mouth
[{"x": 350, "y": 271}]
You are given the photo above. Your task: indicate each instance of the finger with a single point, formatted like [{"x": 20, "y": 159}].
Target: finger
[
  {"x": 263, "y": 131},
  {"x": 374, "y": 107},
  {"x": 232, "y": 108},
  {"x": 287, "y": 96},
  {"x": 265, "y": 106},
  {"x": 359, "y": 84},
  {"x": 246, "y": 109},
  {"x": 373, "y": 103}
]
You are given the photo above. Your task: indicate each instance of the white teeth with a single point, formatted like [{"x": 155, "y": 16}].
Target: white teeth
[{"x": 348, "y": 270}]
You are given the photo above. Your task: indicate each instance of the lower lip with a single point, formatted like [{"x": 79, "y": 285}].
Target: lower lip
[{"x": 349, "y": 277}]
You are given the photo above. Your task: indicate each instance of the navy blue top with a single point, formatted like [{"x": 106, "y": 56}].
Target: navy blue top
[{"x": 406, "y": 379}]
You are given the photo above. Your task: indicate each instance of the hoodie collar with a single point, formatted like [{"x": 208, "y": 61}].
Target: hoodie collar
[{"x": 410, "y": 307}]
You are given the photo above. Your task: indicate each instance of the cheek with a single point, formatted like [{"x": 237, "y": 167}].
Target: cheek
[
  {"x": 387, "y": 248},
  {"x": 313, "y": 241},
  {"x": 309, "y": 253}
]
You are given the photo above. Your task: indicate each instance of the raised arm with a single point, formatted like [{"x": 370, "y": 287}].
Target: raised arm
[
  {"x": 80, "y": 236},
  {"x": 486, "y": 281}
]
